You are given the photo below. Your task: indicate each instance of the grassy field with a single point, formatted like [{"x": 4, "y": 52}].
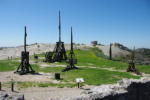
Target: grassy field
[
  {"x": 8, "y": 65},
  {"x": 90, "y": 63},
  {"x": 92, "y": 76}
]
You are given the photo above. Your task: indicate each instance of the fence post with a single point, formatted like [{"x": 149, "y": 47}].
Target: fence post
[
  {"x": 12, "y": 86},
  {"x": 0, "y": 86}
]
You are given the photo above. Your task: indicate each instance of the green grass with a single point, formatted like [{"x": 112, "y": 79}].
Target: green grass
[
  {"x": 96, "y": 76},
  {"x": 86, "y": 57},
  {"x": 98, "y": 52},
  {"x": 25, "y": 84},
  {"x": 143, "y": 68},
  {"x": 35, "y": 67},
  {"x": 21, "y": 85},
  {"x": 104, "y": 63},
  {"x": 8, "y": 65},
  {"x": 92, "y": 76},
  {"x": 62, "y": 85}
]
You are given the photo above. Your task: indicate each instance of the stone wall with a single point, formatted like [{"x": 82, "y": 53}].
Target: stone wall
[
  {"x": 126, "y": 89},
  {"x": 11, "y": 96}
]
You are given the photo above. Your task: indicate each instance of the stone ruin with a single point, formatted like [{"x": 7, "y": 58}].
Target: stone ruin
[
  {"x": 94, "y": 43},
  {"x": 126, "y": 89},
  {"x": 9, "y": 96}
]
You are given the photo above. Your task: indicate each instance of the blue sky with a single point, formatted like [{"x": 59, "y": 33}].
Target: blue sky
[{"x": 107, "y": 21}]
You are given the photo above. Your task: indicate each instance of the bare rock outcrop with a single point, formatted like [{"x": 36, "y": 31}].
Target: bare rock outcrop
[{"x": 117, "y": 50}]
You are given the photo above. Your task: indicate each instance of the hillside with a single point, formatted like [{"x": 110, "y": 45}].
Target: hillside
[
  {"x": 145, "y": 52},
  {"x": 119, "y": 52},
  {"x": 14, "y": 52}
]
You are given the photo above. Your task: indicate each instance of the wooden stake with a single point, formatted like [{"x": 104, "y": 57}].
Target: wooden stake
[
  {"x": 78, "y": 84},
  {"x": 0, "y": 86},
  {"x": 12, "y": 86}
]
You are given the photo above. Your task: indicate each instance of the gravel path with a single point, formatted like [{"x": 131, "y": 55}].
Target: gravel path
[
  {"x": 41, "y": 77},
  {"x": 47, "y": 93},
  {"x": 50, "y": 93}
]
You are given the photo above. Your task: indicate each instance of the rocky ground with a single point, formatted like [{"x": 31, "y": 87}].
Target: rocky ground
[
  {"x": 126, "y": 89},
  {"x": 116, "y": 50}
]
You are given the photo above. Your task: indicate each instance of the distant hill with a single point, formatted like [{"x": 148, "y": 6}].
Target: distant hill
[
  {"x": 143, "y": 56},
  {"x": 144, "y": 51},
  {"x": 119, "y": 51},
  {"x": 36, "y": 48},
  {"x": 122, "y": 53},
  {"x": 1, "y": 48}
]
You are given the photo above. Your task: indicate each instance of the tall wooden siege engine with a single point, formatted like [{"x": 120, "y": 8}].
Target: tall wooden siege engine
[
  {"x": 71, "y": 59},
  {"x": 24, "y": 66},
  {"x": 131, "y": 67},
  {"x": 59, "y": 50}
]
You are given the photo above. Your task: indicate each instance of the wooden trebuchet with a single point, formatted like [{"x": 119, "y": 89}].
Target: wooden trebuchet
[
  {"x": 131, "y": 67},
  {"x": 59, "y": 52},
  {"x": 24, "y": 66},
  {"x": 71, "y": 60}
]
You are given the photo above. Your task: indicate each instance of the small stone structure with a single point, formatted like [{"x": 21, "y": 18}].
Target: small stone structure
[{"x": 94, "y": 43}]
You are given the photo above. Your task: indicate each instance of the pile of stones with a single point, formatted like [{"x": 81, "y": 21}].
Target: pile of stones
[{"x": 6, "y": 96}]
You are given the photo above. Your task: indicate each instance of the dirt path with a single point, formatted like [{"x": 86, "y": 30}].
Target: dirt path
[
  {"x": 50, "y": 93},
  {"x": 47, "y": 93},
  {"x": 41, "y": 77}
]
